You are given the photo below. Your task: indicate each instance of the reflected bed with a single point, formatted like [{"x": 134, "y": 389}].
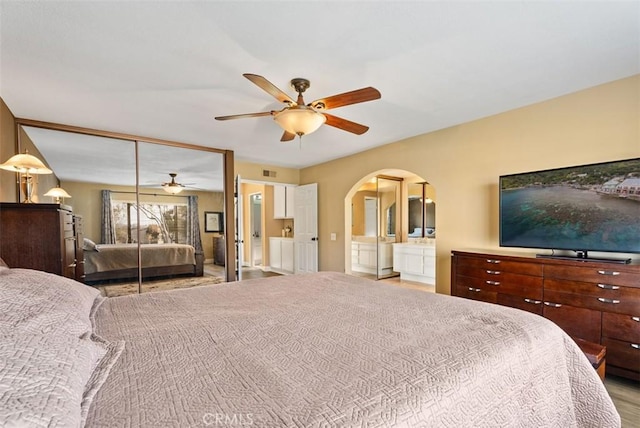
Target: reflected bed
[{"x": 120, "y": 261}]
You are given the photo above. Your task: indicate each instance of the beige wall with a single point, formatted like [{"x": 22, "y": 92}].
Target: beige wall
[
  {"x": 463, "y": 164},
  {"x": 252, "y": 171}
]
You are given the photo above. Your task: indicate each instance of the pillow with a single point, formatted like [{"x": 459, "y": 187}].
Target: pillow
[
  {"x": 35, "y": 302},
  {"x": 50, "y": 380},
  {"x": 89, "y": 245},
  {"x": 3, "y": 264}
]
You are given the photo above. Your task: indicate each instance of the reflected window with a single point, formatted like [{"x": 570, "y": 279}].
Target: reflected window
[{"x": 160, "y": 223}]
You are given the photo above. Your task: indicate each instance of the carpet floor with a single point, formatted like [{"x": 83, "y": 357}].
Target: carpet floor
[{"x": 125, "y": 288}]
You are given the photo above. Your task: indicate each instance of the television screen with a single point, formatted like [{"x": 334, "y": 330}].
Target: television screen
[{"x": 592, "y": 207}]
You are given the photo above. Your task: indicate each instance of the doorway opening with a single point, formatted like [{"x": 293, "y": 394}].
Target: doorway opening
[
  {"x": 389, "y": 219},
  {"x": 255, "y": 213}
]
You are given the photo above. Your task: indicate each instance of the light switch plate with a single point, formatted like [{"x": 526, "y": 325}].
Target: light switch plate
[{"x": 333, "y": 236}]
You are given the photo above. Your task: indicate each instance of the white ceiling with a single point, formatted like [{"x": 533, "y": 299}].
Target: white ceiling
[{"x": 165, "y": 69}]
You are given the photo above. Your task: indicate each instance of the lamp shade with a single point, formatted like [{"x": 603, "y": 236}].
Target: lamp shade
[
  {"x": 25, "y": 164},
  {"x": 57, "y": 192},
  {"x": 300, "y": 120}
]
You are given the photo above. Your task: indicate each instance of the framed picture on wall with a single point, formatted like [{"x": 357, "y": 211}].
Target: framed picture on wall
[{"x": 213, "y": 221}]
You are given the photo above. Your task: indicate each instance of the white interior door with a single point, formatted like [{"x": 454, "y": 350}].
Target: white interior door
[
  {"x": 305, "y": 228},
  {"x": 239, "y": 239}
]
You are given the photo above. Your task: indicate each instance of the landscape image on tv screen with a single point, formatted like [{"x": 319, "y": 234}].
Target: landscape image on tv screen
[{"x": 591, "y": 207}]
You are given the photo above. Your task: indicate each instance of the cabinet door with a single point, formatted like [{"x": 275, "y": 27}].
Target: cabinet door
[
  {"x": 275, "y": 253},
  {"x": 413, "y": 263},
  {"x": 287, "y": 255},
  {"x": 279, "y": 201},
  {"x": 289, "y": 206}
]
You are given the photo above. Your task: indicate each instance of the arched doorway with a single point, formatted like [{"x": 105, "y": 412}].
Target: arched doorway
[{"x": 400, "y": 240}]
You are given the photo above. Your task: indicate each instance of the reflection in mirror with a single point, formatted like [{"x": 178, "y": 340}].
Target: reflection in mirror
[
  {"x": 388, "y": 192},
  {"x": 122, "y": 197},
  {"x": 181, "y": 202},
  {"x": 421, "y": 211},
  {"x": 85, "y": 167},
  {"x": 374, "y": 226}
]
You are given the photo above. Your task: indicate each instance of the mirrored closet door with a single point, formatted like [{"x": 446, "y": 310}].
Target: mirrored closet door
[{"x": 143, "y": 210}]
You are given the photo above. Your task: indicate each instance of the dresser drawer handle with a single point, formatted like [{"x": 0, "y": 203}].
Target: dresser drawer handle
[
  {"x": 494, "y": 272},
  {"x": 636, "y": 319},
  {"x": 493, "y": 282},
  {"x": 608, "y": 287},
  {"x": 535, "y": 302},
  {"x": 607, "y": 272},
  {"x": 635, "y": 346},
  {"x": 495, "y": 262},
  {"x": 553, "y": 305},
  {"x": 474, "y": 289},
  {"x": 603, "y": 300}
]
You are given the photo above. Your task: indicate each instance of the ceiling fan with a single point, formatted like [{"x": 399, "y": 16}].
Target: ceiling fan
[
  {"x": 173, "y": 186},
  {"x": 298, "y": 118}
]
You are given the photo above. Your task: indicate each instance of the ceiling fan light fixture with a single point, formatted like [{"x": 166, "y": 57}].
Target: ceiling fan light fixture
[
  {"x": 300, "y": 120},
  {"x": 173, "y": 188}
]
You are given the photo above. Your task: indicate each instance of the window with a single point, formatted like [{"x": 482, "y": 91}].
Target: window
[{"x": 160, "y": 223}]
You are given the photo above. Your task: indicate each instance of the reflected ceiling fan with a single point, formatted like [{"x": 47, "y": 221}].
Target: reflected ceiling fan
[
  {"x": 298, "y": 118},
  {"x": 172, "y": 186}
]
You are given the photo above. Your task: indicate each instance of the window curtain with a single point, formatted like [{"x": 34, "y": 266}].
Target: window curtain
[
  {"x": 108, "y": 232},
  {"x": 193, "y": 228}
]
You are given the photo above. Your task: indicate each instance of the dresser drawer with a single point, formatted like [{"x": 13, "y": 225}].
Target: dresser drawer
[
  {"x": 622, "y": 327},
  {"x": 476, "y": 294},
  {"x": 623, "y": 354},
  {"x": 611, "y": 275},
  {"x": 497, "y": 264},
  {"x": 508, "y": 283},
  {"x": 622, "y": 301},
  {"x": 67, "y": 221},
  {"x": 528, "y": 304},
  {"x": 576, "y": 322}
]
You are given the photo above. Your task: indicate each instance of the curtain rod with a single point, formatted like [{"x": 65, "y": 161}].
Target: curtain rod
[{"x": 151, "y": 194}]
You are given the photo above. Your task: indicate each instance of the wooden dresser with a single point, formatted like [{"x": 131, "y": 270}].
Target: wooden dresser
[
  {"x": 595, "y": 301},
  {"x": 42, "y": 237}
]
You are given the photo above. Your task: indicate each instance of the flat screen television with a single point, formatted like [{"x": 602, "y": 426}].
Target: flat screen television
[{"x": 584, "y": 208}]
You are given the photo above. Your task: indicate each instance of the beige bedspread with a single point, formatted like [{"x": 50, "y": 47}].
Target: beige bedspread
[
  {"x": 111, "y": 257},
  {"x": 331, "y": 350}
]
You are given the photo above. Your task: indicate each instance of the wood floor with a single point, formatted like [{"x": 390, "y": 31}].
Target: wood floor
[{"x": 625, "y": 394}]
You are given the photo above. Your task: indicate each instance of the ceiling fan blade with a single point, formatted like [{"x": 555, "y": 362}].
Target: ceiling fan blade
[
  {"x": 287, "y": 136},
  {"x": 270, "y": 88},
  {"x": 345, "y": 125},
  {"x": 347, "y": 98},
  {"x": 241, "y": 116}
]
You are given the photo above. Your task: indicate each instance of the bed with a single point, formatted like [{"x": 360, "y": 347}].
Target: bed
[
  {"x": 313, "y": 350},
  {"x": 105, "y": 262}
]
